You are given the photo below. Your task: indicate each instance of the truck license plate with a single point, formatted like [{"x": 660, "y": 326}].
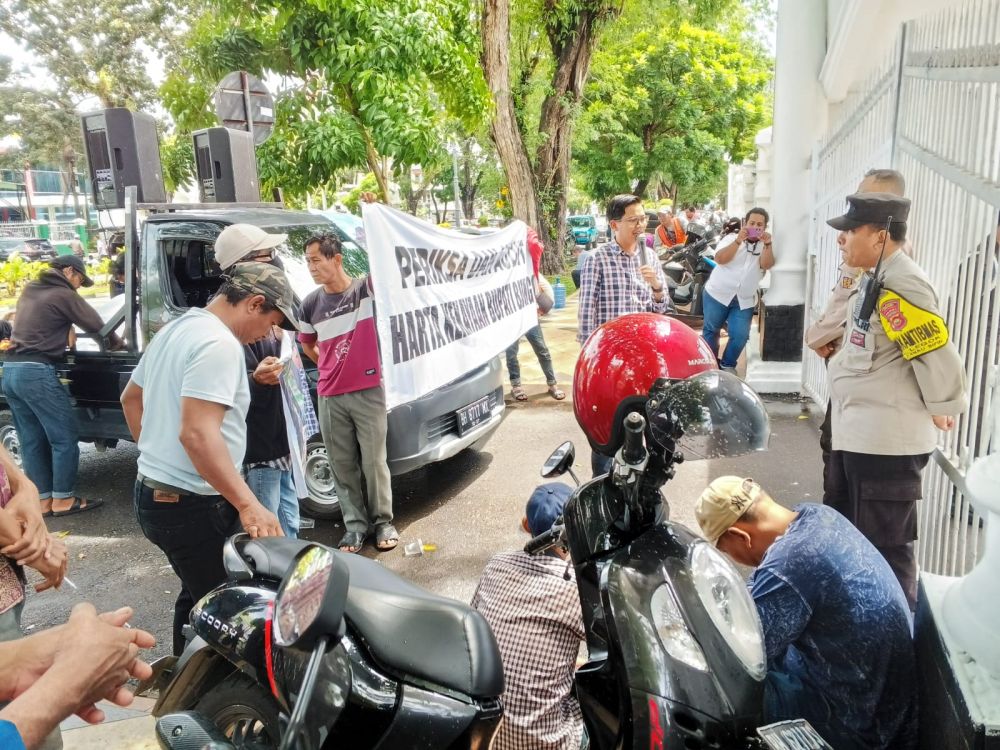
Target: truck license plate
[
  {"x": 474, "y": 414},
  {"x": 797, "y": 734}
]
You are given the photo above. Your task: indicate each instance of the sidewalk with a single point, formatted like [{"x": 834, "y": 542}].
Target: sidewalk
[
  {"x": 559, "y": 327},
  {"x": 129, "y": 728}
]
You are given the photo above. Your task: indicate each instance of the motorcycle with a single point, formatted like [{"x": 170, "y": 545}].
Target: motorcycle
[
  {"x": 404, "y": 668},
  {"x": 687, "y": 269},
  {"x": 675, "y": 650}
]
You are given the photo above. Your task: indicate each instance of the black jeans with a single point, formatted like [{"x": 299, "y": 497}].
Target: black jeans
[
  {"x": 191, "y": 531},
  {"x": 878, "y": 494}
]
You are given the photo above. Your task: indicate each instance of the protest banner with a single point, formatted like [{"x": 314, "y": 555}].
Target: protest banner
[{"x": 446, "y": 302}]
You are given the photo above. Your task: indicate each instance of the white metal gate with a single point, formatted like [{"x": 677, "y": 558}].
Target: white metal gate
[{"x": 932, "y": 111}]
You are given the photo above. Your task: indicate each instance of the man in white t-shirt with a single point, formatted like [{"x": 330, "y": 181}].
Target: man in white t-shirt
[
  {"x": 186, "y": 405},
  {"x": 731, "y": 292}
]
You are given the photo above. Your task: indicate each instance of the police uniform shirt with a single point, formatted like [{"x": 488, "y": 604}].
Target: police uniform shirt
[
  {"x": 896, "y": 369},
  {"x": 829, "y": 326}
]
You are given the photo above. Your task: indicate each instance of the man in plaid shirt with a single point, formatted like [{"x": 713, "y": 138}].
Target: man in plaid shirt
[
  {"x": 533, "y": 607},
  {"x": 623, "y": 276}
]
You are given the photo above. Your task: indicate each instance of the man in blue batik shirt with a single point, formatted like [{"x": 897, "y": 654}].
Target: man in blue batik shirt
[{"x": 836, "y": 624}]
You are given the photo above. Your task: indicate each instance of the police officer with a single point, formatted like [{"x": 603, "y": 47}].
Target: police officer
[
  {"x": 827, "y": 331},
  {"x": 895, "y": 380}
]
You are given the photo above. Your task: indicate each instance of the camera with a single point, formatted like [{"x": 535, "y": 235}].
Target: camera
[{"x": 754, "y": 233}]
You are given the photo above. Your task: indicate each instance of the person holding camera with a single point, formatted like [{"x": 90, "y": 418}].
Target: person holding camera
[{"x": 731, "y": 292}]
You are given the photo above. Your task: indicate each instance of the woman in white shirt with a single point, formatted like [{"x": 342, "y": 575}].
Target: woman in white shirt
[{"x": 731, "y": 292}]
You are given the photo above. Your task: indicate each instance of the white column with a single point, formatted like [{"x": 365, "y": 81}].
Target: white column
[
  {"x": 800, "y": 110},
  {"x": 971, "y": 610}
]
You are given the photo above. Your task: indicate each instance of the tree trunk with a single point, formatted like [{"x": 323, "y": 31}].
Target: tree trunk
[
  {"x": 641, "y": 186},
  {"x": 504, "y": 130},
  {"x": 573, "y": 55}
]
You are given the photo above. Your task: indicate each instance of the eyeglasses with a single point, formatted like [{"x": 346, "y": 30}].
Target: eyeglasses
[{"x": 634, "y": 221}]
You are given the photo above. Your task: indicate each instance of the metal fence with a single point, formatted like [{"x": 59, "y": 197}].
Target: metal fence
[
  {"x": 22, "y": 230},
  {"x": 19, "y": 230},
  {"x": 932, "y": 111}
]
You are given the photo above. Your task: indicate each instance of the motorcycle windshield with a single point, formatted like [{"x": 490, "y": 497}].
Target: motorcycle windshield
[{"x": 719, "y": 414}]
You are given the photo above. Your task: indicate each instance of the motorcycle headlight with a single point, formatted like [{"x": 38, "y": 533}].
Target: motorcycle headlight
[
  {"x": 724, "y": 595},
  {"x": 675, "y": 636}
]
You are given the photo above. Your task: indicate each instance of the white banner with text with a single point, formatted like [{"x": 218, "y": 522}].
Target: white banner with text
[{"x": 446, "y": 302}]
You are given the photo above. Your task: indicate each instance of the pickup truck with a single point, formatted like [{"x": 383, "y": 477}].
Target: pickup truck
[{"x": 170, "y": 266}]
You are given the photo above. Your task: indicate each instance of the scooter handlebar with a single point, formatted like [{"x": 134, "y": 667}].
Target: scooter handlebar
[
  {"x": 546, "y": 540},
  {"x": 633, "y": 450}
]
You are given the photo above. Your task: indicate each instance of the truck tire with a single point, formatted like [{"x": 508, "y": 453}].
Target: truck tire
[
  {"x": 9, "y": 438},
  {"x": 323, "y": 502},
  {"x": 244, "y": 712}
]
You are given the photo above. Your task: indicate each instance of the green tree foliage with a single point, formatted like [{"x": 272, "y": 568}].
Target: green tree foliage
[
  {"x": 95, "y": 48},
  {"x": 368, "y": 81},
  {"x": 666, "y": 107},
  {"x": 536, "y": 57},
  {"x": 42, "y": 122},
  {"x": 177, "y": 160}
]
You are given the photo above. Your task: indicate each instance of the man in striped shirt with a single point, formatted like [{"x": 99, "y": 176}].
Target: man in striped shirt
[{"x": 338, "y": 334}]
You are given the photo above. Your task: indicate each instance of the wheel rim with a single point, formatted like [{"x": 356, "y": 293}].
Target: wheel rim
[
  {"x": 319, "y": 477},
  {"x": 244, "y": 726},
  {"x": 11, "y": 442}
]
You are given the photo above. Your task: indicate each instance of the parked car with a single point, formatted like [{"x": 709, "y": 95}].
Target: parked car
[
  {"x": 7, "y": 246},
  {"x": 584, "y": 230},
  {"x": 34, "y": 248},
  {"x": 177, "y": 270}
]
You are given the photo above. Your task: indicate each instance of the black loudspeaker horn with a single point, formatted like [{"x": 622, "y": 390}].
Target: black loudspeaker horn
[
  {"x": 122, "y": 149},
  {"x": 227, "y": 166}
]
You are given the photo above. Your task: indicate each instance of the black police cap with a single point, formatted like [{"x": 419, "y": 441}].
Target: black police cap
[{"x": 872, "y": 208}]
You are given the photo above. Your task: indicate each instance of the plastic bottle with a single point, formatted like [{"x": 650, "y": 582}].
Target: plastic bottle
[{"x": 559, "y": 290}]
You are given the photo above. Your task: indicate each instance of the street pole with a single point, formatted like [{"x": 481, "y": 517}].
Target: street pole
[{"x": 454, "y": 186}]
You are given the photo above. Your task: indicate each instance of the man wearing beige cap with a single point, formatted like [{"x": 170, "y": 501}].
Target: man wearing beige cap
[
  {"x": 186, "y": 406},
  {"x": 239, "y": 243},
  {"x": 837, "y": 629}
]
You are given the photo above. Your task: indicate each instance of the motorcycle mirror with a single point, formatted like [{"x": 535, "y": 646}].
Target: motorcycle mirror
[
  {"x": 560, "y": 462},
  {"x": 713, "y": 414},
  {"x": 310, "y": 603}
]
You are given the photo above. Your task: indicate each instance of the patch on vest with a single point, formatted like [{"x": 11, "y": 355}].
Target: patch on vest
[
  {"x": 915, "y": 330},
  {"x": 847, "y": 282}
]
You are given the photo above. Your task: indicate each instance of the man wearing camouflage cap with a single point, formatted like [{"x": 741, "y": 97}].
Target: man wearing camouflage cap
[
  {"x": 186, "y": 405},
  {"x": 896, "y": 380}
]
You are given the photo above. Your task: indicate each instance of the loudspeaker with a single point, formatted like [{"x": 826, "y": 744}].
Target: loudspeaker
[
  {"x": 227, "y": 166},
  {"x": 122, "y": 149}
]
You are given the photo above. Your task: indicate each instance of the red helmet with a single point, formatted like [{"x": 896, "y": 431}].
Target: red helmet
[{"x": 619, "y": 364}]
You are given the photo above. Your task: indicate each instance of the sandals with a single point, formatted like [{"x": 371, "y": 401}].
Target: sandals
[
  {"x": 79, "y": 506},
  {"x": 519, "y": 393},
  {"x": 556, "y": 392},
  {"x": 386, "y": 537},
  {"x": 352, "y": 542}
]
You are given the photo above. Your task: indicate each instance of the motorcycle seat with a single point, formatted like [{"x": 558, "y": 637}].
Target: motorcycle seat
[{"x": 408, "y": 629}]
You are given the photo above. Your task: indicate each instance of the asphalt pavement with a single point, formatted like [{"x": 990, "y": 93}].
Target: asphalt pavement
[{"x": 467, "y": 508}]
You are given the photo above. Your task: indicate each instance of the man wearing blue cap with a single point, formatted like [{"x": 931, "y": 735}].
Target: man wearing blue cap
[
  {"x": 896, "y": 380},
  {"x": 533, "y": 607}
]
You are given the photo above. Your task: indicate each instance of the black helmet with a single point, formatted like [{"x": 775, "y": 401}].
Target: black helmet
[{"x": 695, "y": 231}]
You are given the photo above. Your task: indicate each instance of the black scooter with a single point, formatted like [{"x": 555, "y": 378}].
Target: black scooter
[
  {"x": 675, "y": 649},
  {"x": 687, "y": 269}
]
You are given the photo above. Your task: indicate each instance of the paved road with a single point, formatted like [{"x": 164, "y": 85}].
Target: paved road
[{"x": 469, "y": 506}]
